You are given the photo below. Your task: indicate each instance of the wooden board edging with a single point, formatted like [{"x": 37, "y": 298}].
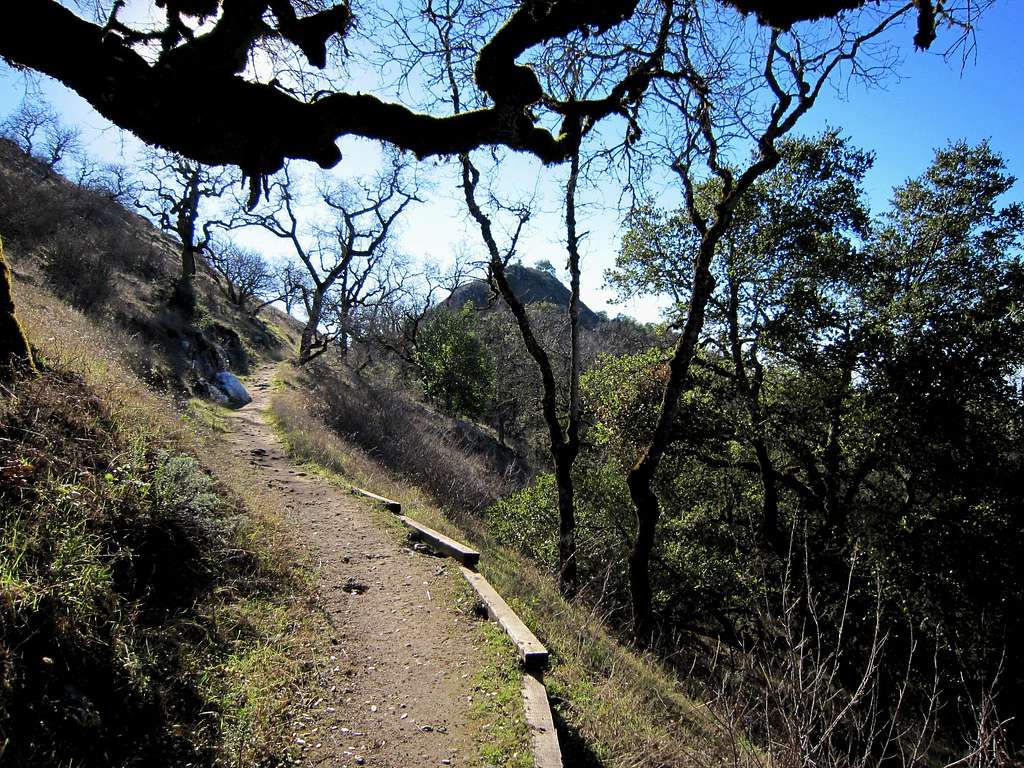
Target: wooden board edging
[
  {"x": 533, "y": 653},
  {"x": 546, "y": 752},
  {"x": 442, "y": 543},
  {"x": 391, "y": 505}
]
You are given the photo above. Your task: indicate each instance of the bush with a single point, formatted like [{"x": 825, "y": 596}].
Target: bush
[
  {"x": 80, "y": 270},
  {"x": 528, "y": 521},
  {"x": 454, "y": 365}
]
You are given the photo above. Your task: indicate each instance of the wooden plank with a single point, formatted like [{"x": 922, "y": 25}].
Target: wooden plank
[
  {"x": 392, "y": 506},
  {"x": 533, "y": 653},
  {"x": 546, "y": 752},
  {"x": 442, "y": 543}
]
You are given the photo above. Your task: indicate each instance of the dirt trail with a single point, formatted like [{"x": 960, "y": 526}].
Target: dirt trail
[{"x": 404, "y": 659}]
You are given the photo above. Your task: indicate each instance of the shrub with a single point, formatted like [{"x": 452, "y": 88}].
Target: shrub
[
  {"x": 455, "y": 368},
  {"x": 528, "y": 520},
  {"x": 80, "y": 270}
]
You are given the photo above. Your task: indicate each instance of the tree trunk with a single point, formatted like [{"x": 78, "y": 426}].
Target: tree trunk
[
  {"x": 344, "y": 311},
  {"x": 639, "y": 479},
  {"x": 568, "y": 576},
  {"x": 563, "y": 447},
  {"x": 184, "y": 295},
  {"x": 641, "y": 476},
  {"x": 188, "y": 261},
  {"x": 188, "y": 213},
  {"x": 749, "y": 388},
  {"x": 309, "y": 331},
  {"x": 770, "y": 532},
  {"x": 344, "y": 341},
  {"x": 15, "y": 352},
  {"x": 645, "y": 505},
  {"x": 567, "y": 452}
]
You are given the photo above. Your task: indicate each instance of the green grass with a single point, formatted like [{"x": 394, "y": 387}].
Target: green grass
[
  {"x": 498, "y": 703},
  {"x": 206, "y": 414}
]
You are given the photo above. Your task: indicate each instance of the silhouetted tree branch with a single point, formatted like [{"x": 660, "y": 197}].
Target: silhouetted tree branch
[
  {"x": 243, "y": 275},
  {"x": 195, "y": 98}
]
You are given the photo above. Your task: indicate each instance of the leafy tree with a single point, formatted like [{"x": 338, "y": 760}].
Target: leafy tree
[
  {"x": 455, "y": 367},
  {"x": 516, "y": 386},
  {"x": 858, "y": 383},
  {"x": 778, "y": 278},
  {"x": 791, "y": 73}
]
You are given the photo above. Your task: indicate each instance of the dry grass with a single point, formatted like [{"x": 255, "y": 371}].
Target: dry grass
[
  {"x": 116, "y": 268},
  {"x": 450, "y": 459}
]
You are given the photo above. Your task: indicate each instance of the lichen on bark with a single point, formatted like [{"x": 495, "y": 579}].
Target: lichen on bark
[{"x": 15, "y": 352}]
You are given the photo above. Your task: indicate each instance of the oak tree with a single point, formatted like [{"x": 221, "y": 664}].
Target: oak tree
[
  {"x": 183, "y": 81},
  {"x": 348, "y": 262},
  {"x": 177, "y": 192}
]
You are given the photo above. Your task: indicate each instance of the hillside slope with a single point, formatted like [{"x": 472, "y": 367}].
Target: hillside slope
[
  {"x": 313, "y": 625},
  {"x": 531, "y": 285},
  {"x": 142, "y": 596},
  {"x": 173, "y": 591},
  {"x": 114, "y": 266}
]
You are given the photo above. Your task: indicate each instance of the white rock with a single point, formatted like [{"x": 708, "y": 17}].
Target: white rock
[{"x": 232, "y": 388}]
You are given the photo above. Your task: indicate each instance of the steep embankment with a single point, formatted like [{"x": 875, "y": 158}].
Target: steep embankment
[
  {"x": 150, "y": 612},
  {"x": 108, "y": 262}
]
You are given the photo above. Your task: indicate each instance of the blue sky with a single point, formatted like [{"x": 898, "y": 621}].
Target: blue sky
[
  {"x": 926, "y": 103},
  {"x": 931, "y": 101}
]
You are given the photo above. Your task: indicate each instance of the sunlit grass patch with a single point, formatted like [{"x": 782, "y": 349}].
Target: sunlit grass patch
[
  {"x": 207, "y": 414},
  {"x": 498, "y": 703}
]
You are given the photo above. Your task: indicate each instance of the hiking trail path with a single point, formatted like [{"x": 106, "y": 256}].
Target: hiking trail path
[{"x": 403, "y": 658}]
